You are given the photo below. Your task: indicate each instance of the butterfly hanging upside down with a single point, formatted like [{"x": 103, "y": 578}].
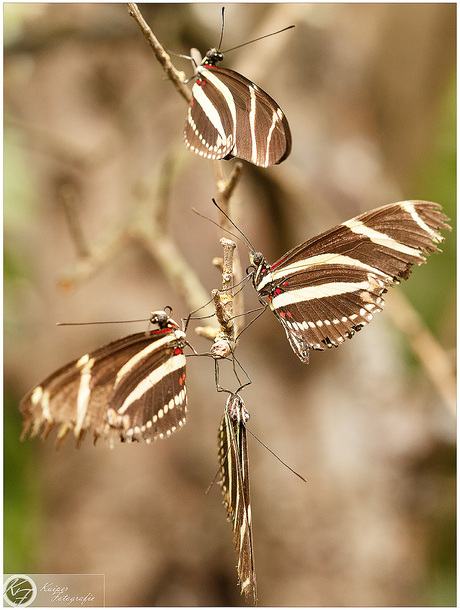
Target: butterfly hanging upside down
[
  {"x": 329, "y": 287},
  {"x": 234, "y": 463},
  {"x": 133, "y": 387}
]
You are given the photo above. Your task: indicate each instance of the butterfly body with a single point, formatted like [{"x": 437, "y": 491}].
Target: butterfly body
[
  {"x": 230, "y": 116},
  {"x": 326, "y": 289},
  {"x": 133, "y": 387}
]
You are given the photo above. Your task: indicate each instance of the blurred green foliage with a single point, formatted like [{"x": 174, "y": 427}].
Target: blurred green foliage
[
  {"x": 436, "y": 180},
  {"x": 22, "y": 507}
]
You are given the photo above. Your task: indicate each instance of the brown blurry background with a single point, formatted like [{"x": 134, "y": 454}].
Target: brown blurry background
[{"x": 370, "y": 94}]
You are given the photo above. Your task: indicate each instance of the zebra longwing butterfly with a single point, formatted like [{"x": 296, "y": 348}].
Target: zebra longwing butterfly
[
  {"x": 329, "y": 287},
  {"x": 133, "y": 387},
  {"x": 234, "y": 463},
  {"x": 230, "y": 116}
]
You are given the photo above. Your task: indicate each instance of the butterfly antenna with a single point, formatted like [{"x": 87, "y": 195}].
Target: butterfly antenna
[
  {"x": 245, "y": 241},
  {"x": 274, "y": 454},
  {"x": 182, "y": 55},
  {"x": 248, "y": 243},
  {"x": 256, "y": 39},
  {"x": 101, "y": 322},
  {"x": 222, "y": 27},
  {"x": 260, "y": 311},
  {"x": 208, "y": 489}
]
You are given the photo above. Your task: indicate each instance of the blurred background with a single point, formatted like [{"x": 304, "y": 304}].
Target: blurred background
[{"x": 91, "y": 122}]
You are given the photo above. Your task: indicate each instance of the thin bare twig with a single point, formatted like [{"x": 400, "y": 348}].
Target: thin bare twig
[
  {"x": 224, "y": 338},
  {"x": 225, "y": 312},
  {"x": 226, "y": 188},
  {"x": 145, "y": 224},
  {"x": 223, "y": 301},
  {"x": 224, "y": 342},
  {"x": 68, "y": 198},
  {"x": 88, "y": 266},
  {"x": 174, "y": 75},
  {"x": 163, "y": 249}
]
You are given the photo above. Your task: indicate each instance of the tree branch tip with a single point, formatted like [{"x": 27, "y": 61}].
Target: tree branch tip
[
  {"x": 227, "y": 243},
  {"x": 221, "y": 185},
  {"x": 208, "y": 332},
  {"x": 218, "y": 262},
  {"x": 236, "y": 172}
]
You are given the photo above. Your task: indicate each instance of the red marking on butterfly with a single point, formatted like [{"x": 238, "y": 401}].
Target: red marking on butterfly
[
  {"x": 277, "y": 263},
  {"x": 161, "y": 331}
]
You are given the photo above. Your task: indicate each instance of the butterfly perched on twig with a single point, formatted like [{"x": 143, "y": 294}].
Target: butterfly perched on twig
[
  {"x": 328, "y": 288},
  {"x": 230, "y": 116},
  {"x": 133, "y": 387}
]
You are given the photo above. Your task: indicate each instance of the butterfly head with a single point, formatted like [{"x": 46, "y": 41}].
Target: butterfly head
[
  {"x": 258, "y": 263},
  {"x": 163, "y": 319},
  {"x": 256, "y": 258},
  {"x": 261, "y": 273},
  {"x": 212, "y": 57}
]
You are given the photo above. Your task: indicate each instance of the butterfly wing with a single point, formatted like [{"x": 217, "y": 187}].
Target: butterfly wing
[
  {"x": 262, "y": 136},
  {"x": 211, "y": 118},
  {"x": 229, "y": 116},
  {"x": 121, "y": 386},
  {"x": 326, "y": 289},
  {"x": 149, "y": 398},
  {"x": 233, "y": 458}
]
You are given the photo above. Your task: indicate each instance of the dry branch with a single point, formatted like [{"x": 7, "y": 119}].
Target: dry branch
[
  {"x": 146, "y": 223},
  {"x": 174, "y": 75}
]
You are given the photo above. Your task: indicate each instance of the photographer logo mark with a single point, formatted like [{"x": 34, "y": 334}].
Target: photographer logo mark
[{"x": 19, "y": 590}]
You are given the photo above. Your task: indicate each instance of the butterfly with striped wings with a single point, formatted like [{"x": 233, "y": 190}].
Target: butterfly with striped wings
[
  {"x": 230, "y": 116},
  {"x": 329, "y": 287},
  {"x": 234, "y": 463},
  {"x": 133, "y": 387}
]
